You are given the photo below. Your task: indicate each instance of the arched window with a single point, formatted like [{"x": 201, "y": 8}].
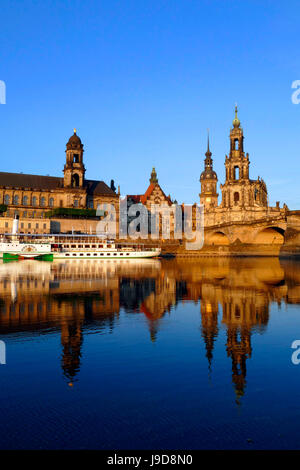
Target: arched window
[
  {"x": 75, "y": 180},
  {"x": 25, "y": 200},
  {"x": 236, "y": 144},
  {"x": 34, "y": 201},
  {"x": 43, "y": 201},
  {"x": 51, "y": 202},
  {"x": 236, "y": 173},
  {"x": 236, "y": 197},
  {"x": 16, "y": 199},
  {"x": 6, "y": 199}
]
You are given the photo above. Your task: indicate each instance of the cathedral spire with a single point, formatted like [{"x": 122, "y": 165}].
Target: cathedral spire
[
  {"x": 208, "y": 153},
  {"x": 208, "y": 180}
]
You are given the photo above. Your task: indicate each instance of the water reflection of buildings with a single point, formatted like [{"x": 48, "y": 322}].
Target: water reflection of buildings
[{"x": 72, "y": 296}]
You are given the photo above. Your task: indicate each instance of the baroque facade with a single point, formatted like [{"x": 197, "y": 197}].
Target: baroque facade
[
  {"x": 33, "y": 196},
  {"x": 243, "y": 199}
]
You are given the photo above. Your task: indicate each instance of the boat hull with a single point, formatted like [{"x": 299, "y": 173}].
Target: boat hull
[{"x": 107, "y": 255}]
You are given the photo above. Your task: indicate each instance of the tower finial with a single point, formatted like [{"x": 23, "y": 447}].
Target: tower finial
[
  {"x": 75, "y": 130},
  {"x": 153, "y": 178},
  {"x": 208, "y": 140},
  {"x": 208, "y": 153},
  {"x": 236, "y": 121}
]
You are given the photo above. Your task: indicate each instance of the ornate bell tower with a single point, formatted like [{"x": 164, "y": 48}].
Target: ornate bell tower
[
  {"x": 239, "y": 191},
  {"x": 74, "y": 169},
  {"x": 237, "y": 164},
  {"x": 208, "y": 180}
]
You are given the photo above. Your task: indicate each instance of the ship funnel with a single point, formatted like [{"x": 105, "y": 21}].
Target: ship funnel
[{"x": 15, "y": 227}]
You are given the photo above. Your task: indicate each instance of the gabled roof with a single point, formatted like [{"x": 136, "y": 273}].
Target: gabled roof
[{"x": 143, "y": 197}]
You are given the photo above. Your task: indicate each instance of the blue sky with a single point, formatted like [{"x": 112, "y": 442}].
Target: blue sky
[{"x": 142, "y": 80}]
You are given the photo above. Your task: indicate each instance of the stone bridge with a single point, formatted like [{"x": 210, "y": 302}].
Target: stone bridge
[{"x": 278, "y": 235}]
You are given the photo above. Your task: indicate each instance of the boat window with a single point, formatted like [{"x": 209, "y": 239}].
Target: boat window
[
  {"x": 115, "y": 254},
  {"x": 121, "y": 254},
  {"x": 80, "y": 246},
  {"x": 74, "y": 254},
  {"x": 88, "y": 254},
  {"x": 67, "y": 254},
  {"x": 95, "y": 254},
  {"x": 87, "y": 246},
  {"x": 101, "y": 254},
  {"x": 81, "y": 254},
  {"x": 127, "y": 254},
  {"x": 93, "y": 246},
  {"x": 108, "y": 246},
  {"x": 73, "y": 246}
]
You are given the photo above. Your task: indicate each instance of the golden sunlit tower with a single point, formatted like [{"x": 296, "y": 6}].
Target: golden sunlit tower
[
  {"x": 74, "y": 169},
  {"x": 239, "y": 191},
  {"x": 208, "y": 180}
]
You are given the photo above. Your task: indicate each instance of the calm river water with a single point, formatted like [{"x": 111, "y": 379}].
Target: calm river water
[{"x": 149, "y": 354}]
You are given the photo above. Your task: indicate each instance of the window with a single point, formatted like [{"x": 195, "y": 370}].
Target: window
[
  {"x": 6, "y": 224},
  {"x": 34, "y": 201},
  {"x": 76, "y": 158},
  {"x": 6, "y": 199},
  {"x": 236, "y": 197},
  {"x": 45, "y": 226},
  {"x": 75, "y": 180},
  {"x": 236, "y": 173},
  {"x": 36, "y": 225},
  {"x": 51, "y": 202},
  {"x": 91, "y": 204},
  {"x": 76, "y": 203},
  {"x": 236, "y": 144},
  {"x": 43, "y": 201},
  {"x": 16, "y": 200},
  {"x": 25, "y": 200},
  {"x": 29, "y": 225},
  {"x": 25, "y": 214}
]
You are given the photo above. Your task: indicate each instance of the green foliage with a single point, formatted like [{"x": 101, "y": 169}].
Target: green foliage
[
  {"x": 72, "y": 213},
  {"x": 3, "y": 208}
]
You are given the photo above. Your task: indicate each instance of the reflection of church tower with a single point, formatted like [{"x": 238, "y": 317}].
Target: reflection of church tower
[
  {"x": 208, "y": 180},
  {"x": 239, "y": 349},
  {"x": 71, "y": 339},
  {"x": 74, "y": 169},
  {"x": 209, "y": 327}
]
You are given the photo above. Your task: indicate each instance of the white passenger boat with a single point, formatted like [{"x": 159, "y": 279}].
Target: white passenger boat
[
  {"x": 15, "y": 246},
  {"x": 73, "y": 246},
  {"x": 92, "y": 247}
]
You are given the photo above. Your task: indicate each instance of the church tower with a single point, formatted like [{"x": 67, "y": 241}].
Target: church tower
[
  {"x": 239, "y": 191},
  {"x": 208, "y": 180},
  {"x": 74, "y": 169}
]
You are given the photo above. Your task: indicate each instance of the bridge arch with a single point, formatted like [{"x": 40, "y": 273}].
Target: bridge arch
[
  {"x": 270, "y": 236},
  {"x": 218, "y": 238}
]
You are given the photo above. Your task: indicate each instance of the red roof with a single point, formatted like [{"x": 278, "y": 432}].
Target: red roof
[{"x": 143, "y": 197}]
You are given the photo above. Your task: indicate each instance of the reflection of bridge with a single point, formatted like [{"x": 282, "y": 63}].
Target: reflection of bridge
[{"x": 73, "y": 296}]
